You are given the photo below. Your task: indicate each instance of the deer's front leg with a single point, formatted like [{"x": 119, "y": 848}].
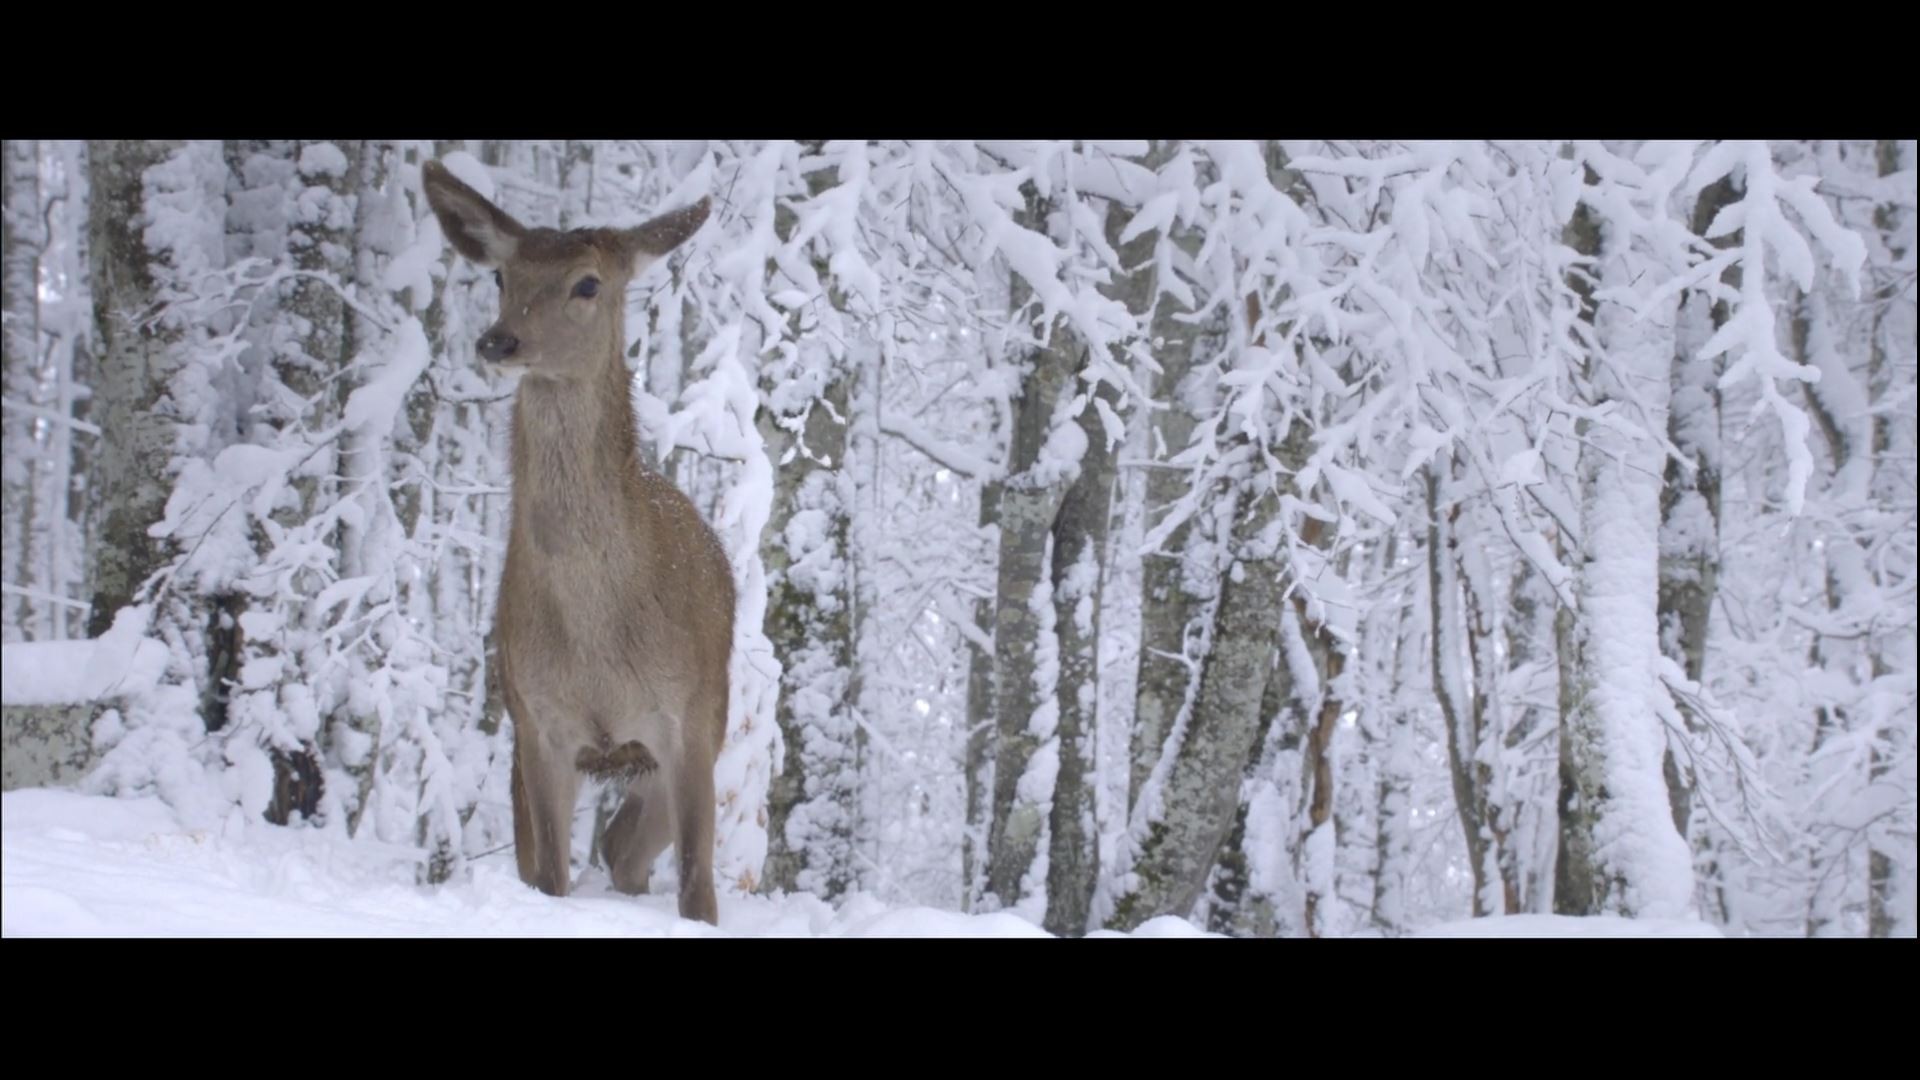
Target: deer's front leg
[{"x": 546, "y": 783}]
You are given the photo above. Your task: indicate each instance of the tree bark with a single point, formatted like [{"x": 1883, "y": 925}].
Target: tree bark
[
  {"x": 1882, "y": 875},
  {"x": 131, "y": 480},
  {"x": 1079, "y": 536},
  {"x": 22, "y": 474},
  {"x": 1619, "y": 850},
  {"x": 811, "y": 801},
  {"x": 1175, "y": 588},
  {"x": 1690, "y": 499},
  {"x": 1460, "y": 616},
  {"x": 1201, "y": 796},
  {"x": 1028, "y": 506}
]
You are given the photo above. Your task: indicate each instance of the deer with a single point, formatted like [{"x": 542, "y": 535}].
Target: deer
[{"x": 615, "y": 615}]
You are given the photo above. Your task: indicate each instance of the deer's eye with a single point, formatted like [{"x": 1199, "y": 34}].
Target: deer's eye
[
  {"x": 588, "y": 288},
  {"x": 499, "y": 282}
]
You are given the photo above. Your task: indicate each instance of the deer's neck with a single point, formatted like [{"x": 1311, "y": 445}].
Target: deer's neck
[{"x": 575, "y": 450}]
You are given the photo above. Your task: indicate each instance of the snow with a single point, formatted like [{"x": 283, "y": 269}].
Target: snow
[
  {"x": 412, "y": 269},
  {"x": 1165, "y": 926},
  {"x": 1523, "y": 467},
  {"x": 1615, "y": 732},
  {"x": 947, "y": 454},
  {"x": 1058, "y": 461},
  {"x": 66, "y": 862},
  {"x": 71, "y": 672},
  {"x": 323, "y": 159},
  {"x": 82, "y": 865},
  {"x": 1398, "y": 307},
  {"x": 375, "y": 403},
  {"x": 1568, "y": 926}
]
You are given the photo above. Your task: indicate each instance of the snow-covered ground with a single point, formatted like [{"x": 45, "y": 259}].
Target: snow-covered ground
[
  {"x": 1564, "y": 926},
  {"x": 78, "y": 865}
]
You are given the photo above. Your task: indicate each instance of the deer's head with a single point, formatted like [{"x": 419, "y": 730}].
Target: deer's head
[{"x": 561, "y": 293}]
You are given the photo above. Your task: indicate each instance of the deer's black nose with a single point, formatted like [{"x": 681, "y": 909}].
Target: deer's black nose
[{"x": 496, "y": 345}]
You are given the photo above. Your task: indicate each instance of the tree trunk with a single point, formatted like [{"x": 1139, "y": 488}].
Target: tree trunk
[
  {"x": 1459, "y": 613},
  {"x": 811, "y": 802},
  {"x": 1690, "y": 499},
  {"x": 1531, "y": 606},
  {"x": 1079, "y": 537},
  {"x": 1393, "y": 843},
  {"x": 1079, "y": 540},
  {"x": 1317, "y": 844},
  {"x": 1389, "y": 653},
  {"x": 1619, "y": 851},
  {"x": 131, "y": 468},
  {"x": 23, "y": 473},
  {"x": 307, "y": 344},
  {"x": 982, "y": 730},
  {"x": 1024, "y": 704},
  {"x": 1237, "y": 904},
  {"x": 1882, "y": 874},
  {"x": 1176, "y": 582},
  {"x": 1201, "y": 795},
  {"x": 809, "y": 622}
]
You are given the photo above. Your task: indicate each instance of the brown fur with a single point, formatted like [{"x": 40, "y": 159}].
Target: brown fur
[{"x": 615, "y": 617}]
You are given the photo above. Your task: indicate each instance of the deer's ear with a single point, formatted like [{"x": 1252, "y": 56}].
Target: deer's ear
[
  {"x": 643, "y": 244},
  {"x": 479, "y": 230}
]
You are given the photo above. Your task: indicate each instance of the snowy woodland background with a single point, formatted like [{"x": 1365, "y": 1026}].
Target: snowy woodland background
[{"x": 1302, "y": 538}]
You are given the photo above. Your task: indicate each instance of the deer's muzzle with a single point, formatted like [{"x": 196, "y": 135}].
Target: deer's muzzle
[{"x": 497, "y": 345}]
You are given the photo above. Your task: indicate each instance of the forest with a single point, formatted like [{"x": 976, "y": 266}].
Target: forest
[{"x": 1259, "y": 538}]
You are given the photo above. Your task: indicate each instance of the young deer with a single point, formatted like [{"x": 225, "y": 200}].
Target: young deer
[{"x": 615, "y": 618}]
